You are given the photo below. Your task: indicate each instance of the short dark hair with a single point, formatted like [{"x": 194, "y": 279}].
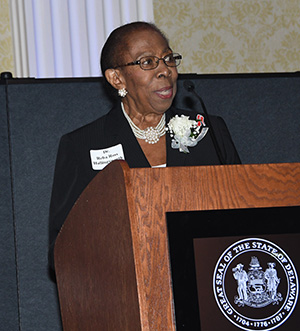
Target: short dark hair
[{"x": 117, "y": 41}]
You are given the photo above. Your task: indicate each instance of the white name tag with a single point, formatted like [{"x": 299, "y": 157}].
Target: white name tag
[{"x": 100, "y": 158}]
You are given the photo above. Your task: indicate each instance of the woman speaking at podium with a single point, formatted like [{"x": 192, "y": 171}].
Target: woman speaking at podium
[{"x": 143, "y": 127}]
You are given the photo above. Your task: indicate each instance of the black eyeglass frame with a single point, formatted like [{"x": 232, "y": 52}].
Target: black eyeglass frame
[{"x": 176, "y": 56}]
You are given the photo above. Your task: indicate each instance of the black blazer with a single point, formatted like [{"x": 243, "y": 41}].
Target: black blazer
[{"x": 73, "y": 170}]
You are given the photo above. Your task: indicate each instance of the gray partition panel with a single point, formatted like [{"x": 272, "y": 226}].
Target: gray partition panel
[
  {"x": 39, "y": 115},
  {"x": 261, "y": 111},
  {"x": 8, "y": 277}
]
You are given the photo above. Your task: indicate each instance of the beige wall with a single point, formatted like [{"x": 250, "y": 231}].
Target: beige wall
[
  {"x": 232, "y": 35},
  {"x": 6, "y": 46}
]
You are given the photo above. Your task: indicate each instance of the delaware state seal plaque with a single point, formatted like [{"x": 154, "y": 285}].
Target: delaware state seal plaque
[{"x": 255, "y": 284}]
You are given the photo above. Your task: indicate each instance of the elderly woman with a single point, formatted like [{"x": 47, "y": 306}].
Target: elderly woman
[{"x": 140, "y": 66}]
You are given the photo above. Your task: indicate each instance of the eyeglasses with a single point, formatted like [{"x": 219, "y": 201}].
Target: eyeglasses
[{"x": 151, "y": 62}]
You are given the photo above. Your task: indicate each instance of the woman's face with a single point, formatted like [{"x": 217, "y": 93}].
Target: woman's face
[{"x": 149, "y": 91}]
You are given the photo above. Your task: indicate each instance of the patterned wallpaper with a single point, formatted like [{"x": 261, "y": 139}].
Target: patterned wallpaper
[
  {"x": 232, "y": 35},
  {"x": 215, "y": 35},
  {"x": 6, "y": 47}
]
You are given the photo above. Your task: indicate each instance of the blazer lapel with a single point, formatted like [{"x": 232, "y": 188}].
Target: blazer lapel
[{"x": 118, "y": 131}]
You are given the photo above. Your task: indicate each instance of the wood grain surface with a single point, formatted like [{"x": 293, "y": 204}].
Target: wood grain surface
[
  {"x": 112, "y": 256},
  {"x": 157, "y": 191}
]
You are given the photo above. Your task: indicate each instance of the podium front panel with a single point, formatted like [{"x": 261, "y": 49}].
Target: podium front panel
[{"x": 235, "y": 269}]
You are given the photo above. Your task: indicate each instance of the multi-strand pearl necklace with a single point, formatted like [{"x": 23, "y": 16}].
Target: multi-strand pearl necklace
[{"x": 151, "y": 135}]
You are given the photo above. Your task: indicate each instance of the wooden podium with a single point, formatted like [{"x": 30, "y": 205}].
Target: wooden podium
[{"x": 111, "y": 256}]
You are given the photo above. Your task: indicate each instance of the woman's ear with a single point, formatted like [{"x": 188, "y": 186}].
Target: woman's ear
[{"x": 114, "y": 78}]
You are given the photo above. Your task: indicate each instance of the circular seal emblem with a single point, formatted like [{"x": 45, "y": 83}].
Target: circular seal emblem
[{"x": 255, "y": 284}]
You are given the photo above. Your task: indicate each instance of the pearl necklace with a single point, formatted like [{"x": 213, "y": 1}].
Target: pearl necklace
[{"x": 151, "y": 135}]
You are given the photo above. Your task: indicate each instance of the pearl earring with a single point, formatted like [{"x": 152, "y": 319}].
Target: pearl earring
[{"x": 122, "y": 92}]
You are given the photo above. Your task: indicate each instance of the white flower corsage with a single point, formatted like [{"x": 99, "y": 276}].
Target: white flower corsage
[{"x": 185, "y": 132}]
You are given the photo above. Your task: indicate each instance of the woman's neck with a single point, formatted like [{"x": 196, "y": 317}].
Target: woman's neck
[{"x": 142, "y": 118}]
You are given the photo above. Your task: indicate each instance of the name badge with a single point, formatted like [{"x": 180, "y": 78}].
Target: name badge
[{"x": 100, "y": 158}]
